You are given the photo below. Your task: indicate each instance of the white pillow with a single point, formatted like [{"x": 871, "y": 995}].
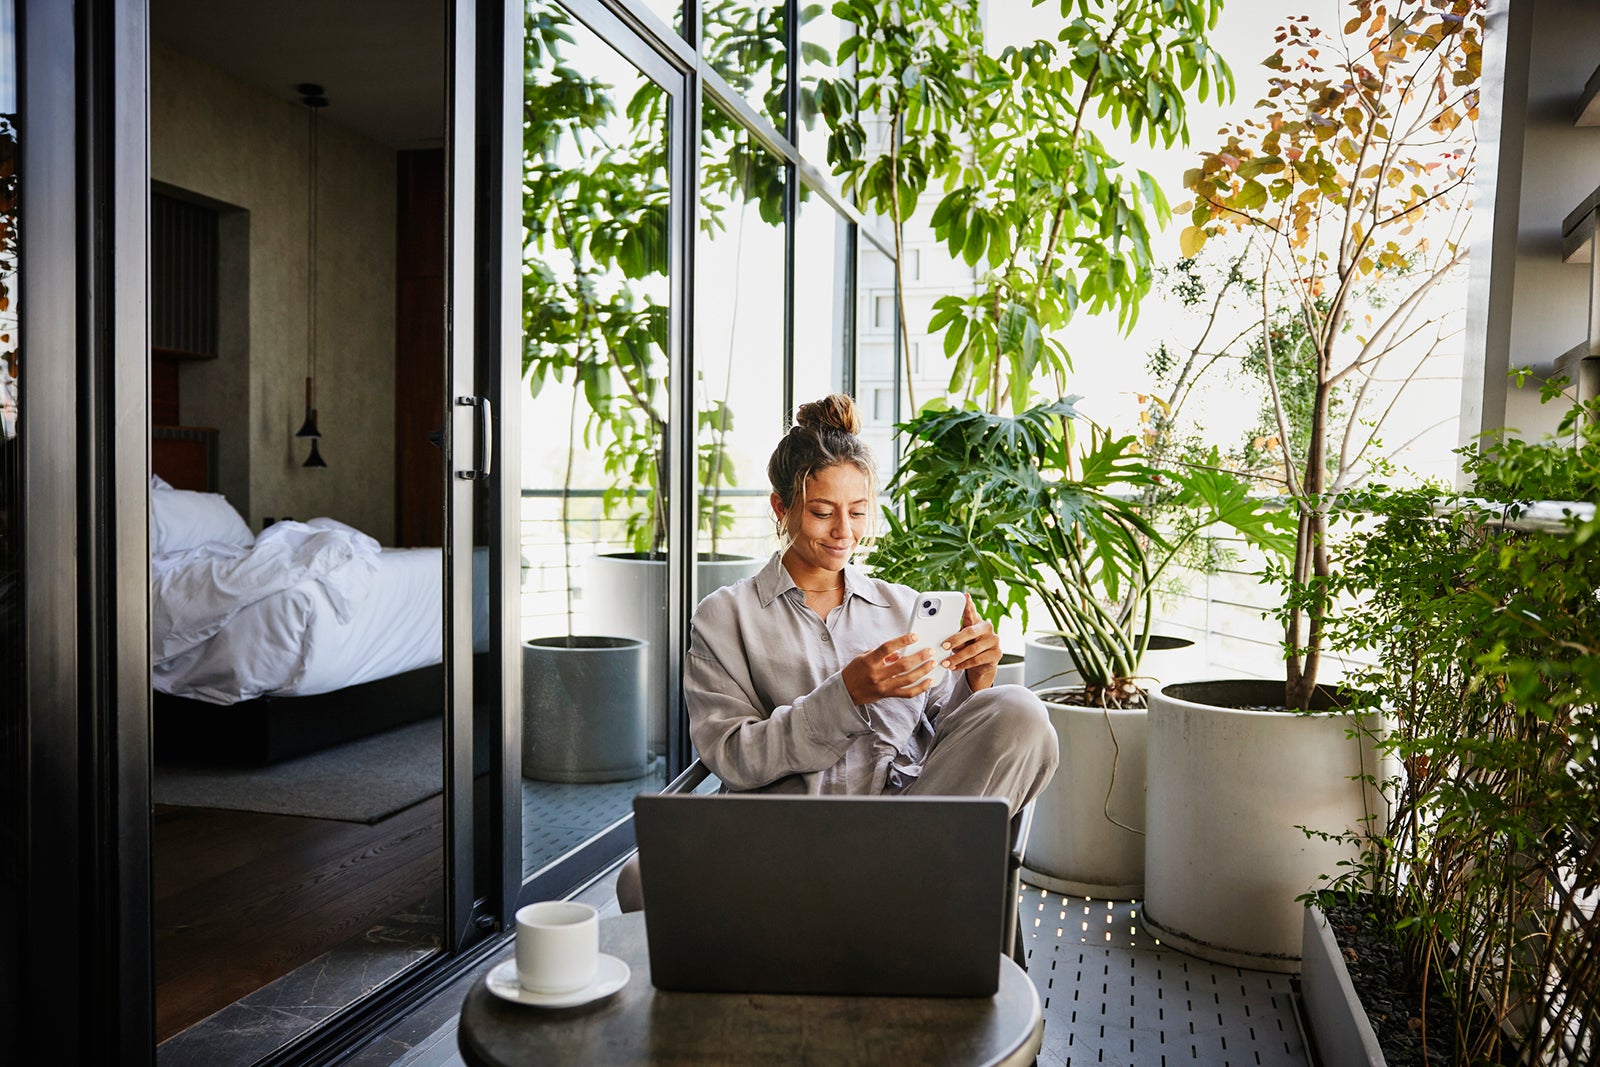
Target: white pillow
[
  {"x": 182, "y": 519},
  {"x": 158, "y": 482}
]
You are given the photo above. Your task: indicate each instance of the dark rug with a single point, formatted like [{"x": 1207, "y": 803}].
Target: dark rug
[{"x": 361, "y": 781}]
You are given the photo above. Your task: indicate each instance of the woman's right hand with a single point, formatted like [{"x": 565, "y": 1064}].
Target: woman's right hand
[{"x": 882, "y": 672}]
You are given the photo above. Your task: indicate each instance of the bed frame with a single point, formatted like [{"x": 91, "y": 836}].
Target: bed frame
[{"x": 254, "y": 733}]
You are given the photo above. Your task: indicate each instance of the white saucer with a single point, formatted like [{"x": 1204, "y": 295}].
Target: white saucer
[{"x": 610, "y": 975}]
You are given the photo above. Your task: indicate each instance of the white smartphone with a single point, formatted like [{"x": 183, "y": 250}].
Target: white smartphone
[{"x": 935, "y": 618}]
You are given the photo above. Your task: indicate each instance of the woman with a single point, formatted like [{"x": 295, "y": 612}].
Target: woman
[{"x": 795, "y": 682}]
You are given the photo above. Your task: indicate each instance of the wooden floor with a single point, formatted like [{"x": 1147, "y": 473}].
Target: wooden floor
[{"x": 242, "y": 898}]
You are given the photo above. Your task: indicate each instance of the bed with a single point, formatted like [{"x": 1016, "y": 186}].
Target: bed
[{"x": 310, "y": 634}]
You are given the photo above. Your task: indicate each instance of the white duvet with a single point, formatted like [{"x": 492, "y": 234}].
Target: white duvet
[{"x": 309, "y": 608}]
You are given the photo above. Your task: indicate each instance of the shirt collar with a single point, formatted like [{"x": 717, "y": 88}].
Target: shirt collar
[{"x": 774, "y": 580}]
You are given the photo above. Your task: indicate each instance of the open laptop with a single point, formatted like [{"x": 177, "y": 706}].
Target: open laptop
[{"x": 788, "y": 894}]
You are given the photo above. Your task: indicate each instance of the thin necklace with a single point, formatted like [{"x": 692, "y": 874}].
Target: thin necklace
[{"x": 825, "y": 589}]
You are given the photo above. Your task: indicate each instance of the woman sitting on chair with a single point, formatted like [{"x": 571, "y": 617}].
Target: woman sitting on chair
[{"x": 795, "y": 679}]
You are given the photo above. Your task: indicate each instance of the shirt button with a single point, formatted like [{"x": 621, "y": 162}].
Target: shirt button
[{"x": 825, "y": 637}]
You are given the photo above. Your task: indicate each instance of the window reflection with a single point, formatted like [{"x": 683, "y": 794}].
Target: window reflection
[
  {"x": 822, "y": 92},
  {"x": 739, "y": 315},
  {"x": 744, "y": 43},
  {"x": 821, "y": 274},
  {"x": 596, "y": 306}
]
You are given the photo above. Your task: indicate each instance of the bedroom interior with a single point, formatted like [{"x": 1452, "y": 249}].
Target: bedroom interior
[
  {"x": 291, "y": 241},
  {"x": 298, "y": 613}
]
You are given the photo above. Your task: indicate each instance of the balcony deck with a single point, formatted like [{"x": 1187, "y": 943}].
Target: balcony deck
[{"x": 1112, "y": 994}]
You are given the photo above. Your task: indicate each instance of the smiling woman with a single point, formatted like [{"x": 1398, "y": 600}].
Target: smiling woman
[{"x": 796, "y": 679}]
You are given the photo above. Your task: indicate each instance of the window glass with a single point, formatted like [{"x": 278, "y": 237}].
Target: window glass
[
  {"x": 820, "y": 34},
  {"x": 821, "y": 272},
  {"x": 877, "y": 375},
  {"x": 594, "y": 540},
  {"x": 739, "y": 315},
  {"x": 744, "y": 43}
]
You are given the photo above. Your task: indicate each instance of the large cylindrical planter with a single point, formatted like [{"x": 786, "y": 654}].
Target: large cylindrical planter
[
  {"x": 1230, "y": 790},
  {"x": 584, "y": 709},
  {"x": 625, "y": 593},
  {"x": 1087, "y": 824},
  {"x": 1086, "y": 837}
]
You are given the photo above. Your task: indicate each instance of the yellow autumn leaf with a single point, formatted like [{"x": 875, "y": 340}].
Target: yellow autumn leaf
[{"x": 1191, "y": 240}]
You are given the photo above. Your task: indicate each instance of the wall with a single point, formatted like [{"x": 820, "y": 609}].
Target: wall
[
  {"x": 233, "y": 143},
  {"x": 1527, "y": 307}
]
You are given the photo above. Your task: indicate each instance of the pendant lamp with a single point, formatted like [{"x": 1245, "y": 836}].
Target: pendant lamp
[{"x": 314, "y": 100}]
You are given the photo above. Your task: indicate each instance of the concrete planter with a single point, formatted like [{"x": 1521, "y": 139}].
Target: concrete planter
[
  {"x": 584, "y": 709},
  {"x": 1340, "y": 1029},
  {"x": 1048, "y": 666},
  {"x": 1230, "y": 789},
  {"x": 1087, "y": 837},
  {"x": 1009, "y": 672},
  {"x": 625, "y": 593},
  {"x": 1074, "y": 846}
]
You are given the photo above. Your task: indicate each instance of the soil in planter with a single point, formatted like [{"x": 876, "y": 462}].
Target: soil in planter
[
  {"x": 1074, "y": 696},
  {"x": 1377, "y": 968}
]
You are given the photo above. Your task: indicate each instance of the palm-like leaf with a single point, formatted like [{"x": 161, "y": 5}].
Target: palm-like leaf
[{"x": 1044, "y": 505}]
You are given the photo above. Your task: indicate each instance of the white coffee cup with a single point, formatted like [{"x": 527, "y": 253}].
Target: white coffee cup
[{"x": 558, "y": 946}]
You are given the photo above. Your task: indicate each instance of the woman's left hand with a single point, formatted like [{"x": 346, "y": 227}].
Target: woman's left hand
[{"x": 975, "y": 649}]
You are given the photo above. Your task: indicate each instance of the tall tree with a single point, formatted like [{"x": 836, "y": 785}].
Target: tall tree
[
  {"x": 1030, "y": 193},
  {"x": 1353, "y": 177}
]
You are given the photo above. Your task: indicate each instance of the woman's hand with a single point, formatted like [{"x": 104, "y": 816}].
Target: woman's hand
[
  {"x": 882, "y": 672},
  {"x": 975, "y": 649}
]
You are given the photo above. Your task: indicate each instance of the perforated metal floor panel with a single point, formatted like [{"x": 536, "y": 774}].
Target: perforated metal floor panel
[
  {"x": 1114, "y": 995},
  {"x": 558, "y": 817}
]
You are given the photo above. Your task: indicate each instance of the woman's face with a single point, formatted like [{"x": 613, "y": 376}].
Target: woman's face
[{"x": 830, "y": 518}]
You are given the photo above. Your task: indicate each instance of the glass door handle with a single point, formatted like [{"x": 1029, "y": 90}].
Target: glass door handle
[{"x": 483, "y": 439}]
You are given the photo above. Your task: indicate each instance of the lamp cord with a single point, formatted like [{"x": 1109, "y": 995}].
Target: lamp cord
[{"x": 311, "y": 243}]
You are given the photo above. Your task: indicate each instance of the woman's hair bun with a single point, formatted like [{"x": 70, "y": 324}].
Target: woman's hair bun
[{"x": 837, "y": 412}]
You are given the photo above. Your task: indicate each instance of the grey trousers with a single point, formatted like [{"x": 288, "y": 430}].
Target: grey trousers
[{"x": 998, "y": 743}]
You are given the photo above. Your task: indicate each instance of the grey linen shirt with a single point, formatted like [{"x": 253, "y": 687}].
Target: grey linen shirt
[{"x": 768, "y": 708}]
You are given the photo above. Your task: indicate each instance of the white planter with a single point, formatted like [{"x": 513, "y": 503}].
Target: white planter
[
  {"x": 626, "y": 594},
  {"x": 1074, "y": 847},
  {"x": 1230, "y": 789},
  {"x": 1087, "y": 837},
  {"x": 1047, "y": 665},
  {"x": 583, "y": 709},
  {"x": 1339, "y": 1026}
]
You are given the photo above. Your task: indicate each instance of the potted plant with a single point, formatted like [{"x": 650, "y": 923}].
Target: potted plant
[
  {"x": 1044, "y": 509},
  {"x": 1483, "y": 634},
  {"x": 1350, "y": 180}
]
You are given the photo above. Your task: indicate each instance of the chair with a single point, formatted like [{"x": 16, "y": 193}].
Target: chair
[{"x": 696, "y": 774}]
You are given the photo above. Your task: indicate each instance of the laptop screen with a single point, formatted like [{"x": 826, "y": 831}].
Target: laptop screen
[{"x": 786, "y": 894}]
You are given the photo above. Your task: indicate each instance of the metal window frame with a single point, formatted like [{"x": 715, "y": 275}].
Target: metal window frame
[{"x": 54, "y": 878}]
